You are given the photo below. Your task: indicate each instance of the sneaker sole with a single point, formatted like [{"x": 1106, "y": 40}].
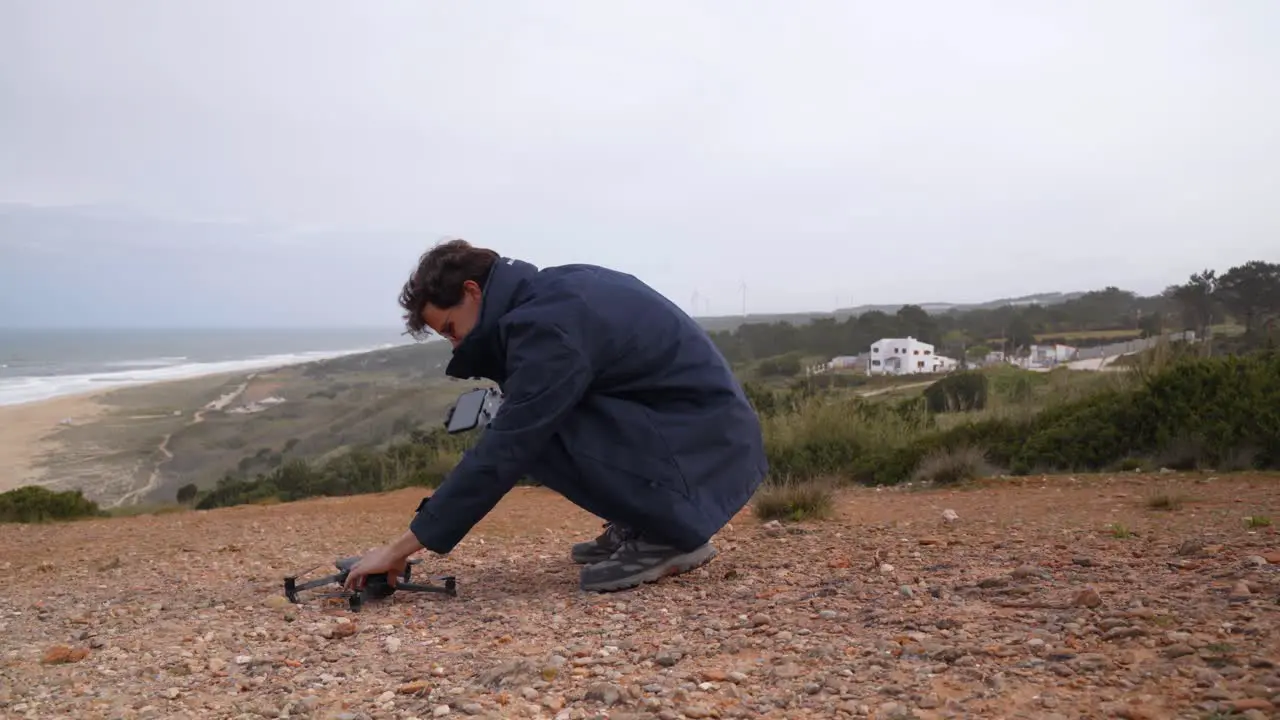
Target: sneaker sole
[{"x": 678, "y": 565}]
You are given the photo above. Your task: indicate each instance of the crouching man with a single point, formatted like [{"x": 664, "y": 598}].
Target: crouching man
[{"x": 612, "y": 397}]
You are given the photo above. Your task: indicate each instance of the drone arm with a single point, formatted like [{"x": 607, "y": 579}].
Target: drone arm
[
  {"x": 292, "y": 587},
  {"x": 448, "y": 588}
]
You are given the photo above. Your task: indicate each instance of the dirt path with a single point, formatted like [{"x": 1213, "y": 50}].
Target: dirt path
[
  {"x": 1065, "y": 597},
  {"x": 155, "y": 480},
  {"x": 893, "y": 388}
]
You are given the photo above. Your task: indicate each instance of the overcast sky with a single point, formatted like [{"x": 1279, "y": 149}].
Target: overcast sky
[{"x": 824, "y": 152}]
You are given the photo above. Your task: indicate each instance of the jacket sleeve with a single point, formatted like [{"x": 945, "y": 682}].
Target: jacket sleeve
[{"x": 549, "y": 371}]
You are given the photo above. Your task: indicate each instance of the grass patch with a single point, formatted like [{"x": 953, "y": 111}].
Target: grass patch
[
  {"x": 146, "y": 509},
  {"x": 952, "y": 466},
  {"x": 1166, "y": 501},
  {"x": 1119, "y": 531},
  {"x": 1257, "y": 521},
  {"x": 1116, "y": 335},
  {"x": 795, "y": 500},
  {"x": 36, "y": 504}
]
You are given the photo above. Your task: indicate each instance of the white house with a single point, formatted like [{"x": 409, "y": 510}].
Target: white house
[
  {"x": 906, "y": 356},
  {"x": 1047, "y": 356},
  {"x": 842, "y": 361}
]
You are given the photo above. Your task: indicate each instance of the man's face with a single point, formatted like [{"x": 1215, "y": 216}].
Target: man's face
[{"x": 454, "y": 323}]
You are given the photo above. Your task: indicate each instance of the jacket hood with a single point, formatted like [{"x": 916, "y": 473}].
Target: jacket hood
[{"x": 480, "y": 354}]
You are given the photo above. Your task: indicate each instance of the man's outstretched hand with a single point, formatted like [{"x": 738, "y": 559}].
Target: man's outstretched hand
[{"x": 390, "y": 559}]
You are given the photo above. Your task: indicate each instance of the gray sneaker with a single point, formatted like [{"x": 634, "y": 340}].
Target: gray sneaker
[
  {"x": 638, "y": 561},
  {"x": 591, "y": 551}
]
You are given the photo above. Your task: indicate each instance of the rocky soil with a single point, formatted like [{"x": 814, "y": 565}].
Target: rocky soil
[{"x": 1126, "y": 596}]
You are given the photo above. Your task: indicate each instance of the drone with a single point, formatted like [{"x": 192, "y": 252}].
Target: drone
[{"x": 376, "y": 586}]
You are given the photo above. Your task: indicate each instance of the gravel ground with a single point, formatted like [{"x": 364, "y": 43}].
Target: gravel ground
[{"x": 1061, "y": 597}]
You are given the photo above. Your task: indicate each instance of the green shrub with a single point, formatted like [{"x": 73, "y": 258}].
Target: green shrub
[
  {"x": 187, "y": 493},
  {"x": 1221, "y": 412},
  {"x": 780, "y": 366},
  {"x": 33, "y": 504},
  {"x": 960, "y": 392}
]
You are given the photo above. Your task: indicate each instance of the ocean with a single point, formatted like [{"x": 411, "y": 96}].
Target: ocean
[{"x": 42, "y": 364}]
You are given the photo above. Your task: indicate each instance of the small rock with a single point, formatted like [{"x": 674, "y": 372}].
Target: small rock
[
  {"x": 788, "y": 670},
  {"x": 604, "y": 692},
  {"x": 1240, "y": 591},
  {"x": 1027, "y": 571},
  {"x": 667, "y": 658},
  {"x": 1087, "y": 597},
  {"x": 60, "y": 654},
  {"x": 1251, "y": 704},
  {"x": 950, "y": 515},
  {"x": 440, "y": 711}
]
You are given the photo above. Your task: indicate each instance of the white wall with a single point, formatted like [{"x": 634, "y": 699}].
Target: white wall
[{"x": 911, "y": 356}]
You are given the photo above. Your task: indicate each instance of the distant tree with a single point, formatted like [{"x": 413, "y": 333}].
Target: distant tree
[
  {"x": 1251, "y": 292},
  {"x": 784, "y": 365},
  {"x": 1197, "y": 300},
  {"x": 977, "y": 352},
  {"x": 1019, "y": 336},
  {"x": 1151, "y": 325},
  {"x": 918, "y": 323},
  {"x": 187, "y": 493}
]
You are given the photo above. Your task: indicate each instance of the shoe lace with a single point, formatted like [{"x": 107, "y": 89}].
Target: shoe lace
[{"x": 619, "y": 534}]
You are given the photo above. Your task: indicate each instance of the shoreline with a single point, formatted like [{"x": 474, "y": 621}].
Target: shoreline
[
  {"x": 27, "y": 433},
  {"x": 108, "y": 380},
  {"x": 101, "y": 438},
  {"x": 28, "y": 430}
]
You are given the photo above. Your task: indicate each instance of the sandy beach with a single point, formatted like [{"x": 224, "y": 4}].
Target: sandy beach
[
  {"x": 28, "y": 432},
  {"x": 137, "y": 444}
]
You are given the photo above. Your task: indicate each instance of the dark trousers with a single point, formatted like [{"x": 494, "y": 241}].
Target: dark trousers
[
  {"x": 608, "y": 498},
  {"x": 556, "y": 470}
]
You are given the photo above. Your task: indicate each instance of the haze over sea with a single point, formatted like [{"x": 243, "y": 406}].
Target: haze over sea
[{"x": 39, "y": 364}]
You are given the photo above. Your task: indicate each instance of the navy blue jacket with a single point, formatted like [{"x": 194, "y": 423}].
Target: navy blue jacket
[{"x": 609, "y": 387}]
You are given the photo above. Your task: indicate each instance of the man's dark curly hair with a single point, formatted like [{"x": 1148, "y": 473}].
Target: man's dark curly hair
[{"x": 439, "y": 277}]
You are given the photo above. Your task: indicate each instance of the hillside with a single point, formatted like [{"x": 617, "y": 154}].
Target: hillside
[
  {"x": 730, "y": 323},
  {"x": 143, "y": 443},
  {"x": 1129, "y": 595}
]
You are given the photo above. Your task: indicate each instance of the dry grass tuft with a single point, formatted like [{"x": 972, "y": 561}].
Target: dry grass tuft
[
  {"x": 1166, "y": 501},
  {"x": 795, "y": 501},
  {"x": 953, "y": 466}
]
